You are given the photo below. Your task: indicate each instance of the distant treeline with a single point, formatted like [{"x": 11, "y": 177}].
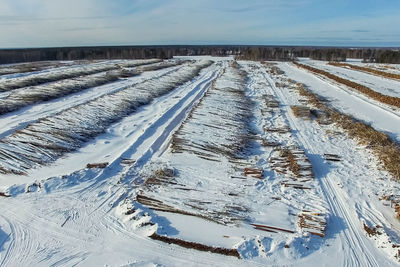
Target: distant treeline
[
  {"x": 378, "y": 55},
  {"x": 283, "y": 53}
]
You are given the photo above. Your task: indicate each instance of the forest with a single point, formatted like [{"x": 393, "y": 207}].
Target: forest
[{"x": 279, "y": 53}]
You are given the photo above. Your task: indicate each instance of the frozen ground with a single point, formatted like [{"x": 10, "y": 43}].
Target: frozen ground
[
  {"x": 208, "y": 162},
  {"x": 382, "y": 117},
  {"x": 382, "y": 85}
]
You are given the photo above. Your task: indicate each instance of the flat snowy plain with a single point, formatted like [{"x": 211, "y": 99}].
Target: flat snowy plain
[{"x": 197, "y": 154}]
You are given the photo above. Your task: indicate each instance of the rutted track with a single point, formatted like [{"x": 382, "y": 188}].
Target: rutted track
[
  {"x": 380, "y": 116},
  {"x": 154, "y": 138},
  {"x": 93, "y": 205},
  {"x": 66, "y": 214},
  {"x": 355, "y": 245}
]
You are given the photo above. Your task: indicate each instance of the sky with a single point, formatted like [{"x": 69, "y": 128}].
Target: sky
[{"x": 52, "y": 23}]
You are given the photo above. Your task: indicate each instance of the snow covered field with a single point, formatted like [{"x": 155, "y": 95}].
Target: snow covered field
[
  {"x": 383, "y": 85},
  {"x": 194, "y": 161}
]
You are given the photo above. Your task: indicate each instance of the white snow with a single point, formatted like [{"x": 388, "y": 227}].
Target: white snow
[
  {"x": 377, "y": 83},
  {"x": 372, "y": 112},
  {"x": 203, "y": 134}
]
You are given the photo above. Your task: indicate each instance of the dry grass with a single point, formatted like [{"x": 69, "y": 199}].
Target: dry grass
[
  {"x": 390, "y": 100},
  {"x": 366, "y": 69},
  {"x": 197, "y": 246},
  {"x": 371, "y": 231}
]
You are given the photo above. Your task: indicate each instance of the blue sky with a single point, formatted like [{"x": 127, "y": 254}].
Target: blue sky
[{"x": 41, "y": 23}]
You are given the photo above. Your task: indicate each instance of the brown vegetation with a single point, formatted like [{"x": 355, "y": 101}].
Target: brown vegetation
[
  {"x": 371, "y": 231},
  {"x": 370, "y": 70},
  {"x": 394, "y": 203},
  {"x": 390, "y": 100}
]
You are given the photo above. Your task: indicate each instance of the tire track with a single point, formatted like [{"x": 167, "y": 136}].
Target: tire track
[
  {"x": 355, "y": 94},
  {"x": 158, "y": 133},
  {"x": 154, "y": 137},
  {"x": 381, "y": 117},
  {"x": 359, "y": 253}
]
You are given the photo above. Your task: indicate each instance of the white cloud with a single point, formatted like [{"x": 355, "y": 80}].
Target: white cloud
[{"x": 27, "y": 23}]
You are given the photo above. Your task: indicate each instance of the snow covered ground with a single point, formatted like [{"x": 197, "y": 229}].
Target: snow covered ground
[
  {"x": 212, "y": 159},
  {"x": 379, "y": 84},
  {"x": 380, "y": 116}
]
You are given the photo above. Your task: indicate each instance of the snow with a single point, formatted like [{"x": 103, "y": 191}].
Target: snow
[
  {"x": 377, "y": 115},
  {"x": 377, "y": 83},
  {"x": 187, "y": 149}
]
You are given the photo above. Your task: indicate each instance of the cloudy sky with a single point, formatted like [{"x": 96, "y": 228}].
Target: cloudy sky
[{"x": 42, "y": 23}]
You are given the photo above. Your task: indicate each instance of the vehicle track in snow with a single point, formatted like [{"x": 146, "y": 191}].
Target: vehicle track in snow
[
  {"x": 358, "y": 251},
  {"x": 352, "y": 92},
  {"x": 95, "y": 199},
  {"x": 381, "y": 116},
  {"x": 154, "y": 137}
]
